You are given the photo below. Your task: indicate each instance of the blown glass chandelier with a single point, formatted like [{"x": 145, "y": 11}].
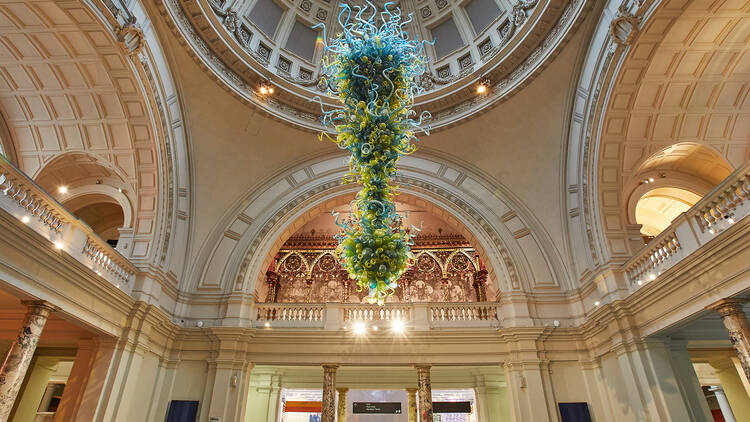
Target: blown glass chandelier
[{"x": 370, "y": 66}]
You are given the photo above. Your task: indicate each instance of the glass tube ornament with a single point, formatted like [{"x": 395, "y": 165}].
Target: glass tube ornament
[{"x": 371, "y": 67}]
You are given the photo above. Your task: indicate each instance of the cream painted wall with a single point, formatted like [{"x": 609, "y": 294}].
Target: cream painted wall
[
  {"x": 520, "y": 142},
  {"x": 42, "y": 370},
  {"x": 234, "y": 147}
]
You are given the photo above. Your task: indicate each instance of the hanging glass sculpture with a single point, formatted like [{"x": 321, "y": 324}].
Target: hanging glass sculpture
[{"x": 370, "y": 66}]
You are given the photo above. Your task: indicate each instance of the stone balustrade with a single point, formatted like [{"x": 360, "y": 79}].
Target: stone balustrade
[
  {"x": 23, "y": 199},
  {"x": 478, "y": 314},
  {"x": 338, "y": 316},
  {"x": 720, "y": 209}
]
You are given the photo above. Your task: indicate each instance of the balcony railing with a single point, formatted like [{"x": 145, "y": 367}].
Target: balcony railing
[
  {"x": 27, "y": 202},
  {"x": 338, "y": 316},
  {"x": 720, "y": 209}
]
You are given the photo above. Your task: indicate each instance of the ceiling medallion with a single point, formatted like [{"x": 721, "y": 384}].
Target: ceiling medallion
[{"x": 372, "y": 70}]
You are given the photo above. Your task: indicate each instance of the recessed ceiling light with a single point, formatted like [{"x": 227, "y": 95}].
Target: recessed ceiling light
[{"x": 62, "y": 189}]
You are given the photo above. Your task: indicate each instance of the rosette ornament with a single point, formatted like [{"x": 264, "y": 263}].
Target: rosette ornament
[{"x": 371, "y": 66}]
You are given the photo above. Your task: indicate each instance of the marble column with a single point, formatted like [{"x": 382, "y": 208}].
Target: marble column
[
  {"x": 18, "y": 358},
  {"x": 736, "y": 322},
  {"x": 412, "y": 392},
  {"x": 272, "y": 279},
  {"x": 425, "y": 393},
  {"x": 721, "y": 398},
  {"x": 480, "y": 280},
  {"x": 328, "y": 413},
  {"x": 341, "y": 409}
]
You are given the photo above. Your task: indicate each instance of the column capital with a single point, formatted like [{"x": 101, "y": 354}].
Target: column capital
[
  {"x": 330, "y": 367},
  {"x": 728, "y": 307},
  {"x": 39, "y": 305},
  {"x": 343, "y": 390},
  {"x": 423, "y": 365}
]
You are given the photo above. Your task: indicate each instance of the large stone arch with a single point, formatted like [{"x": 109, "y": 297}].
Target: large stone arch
[
  {"x": 515, "y": 248},
  {"x": 91, "y": 77},
  {"x": 635, "y": 97}
]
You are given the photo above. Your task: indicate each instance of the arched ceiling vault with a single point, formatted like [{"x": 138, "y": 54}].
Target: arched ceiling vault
[
  {"x": 680, "y": 76},
  {"x": 68, "y": 87},
  {"x": 90, "y": 78}
]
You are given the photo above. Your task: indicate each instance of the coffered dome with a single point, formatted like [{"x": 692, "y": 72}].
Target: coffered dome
[{"x": 249, "y": 44}]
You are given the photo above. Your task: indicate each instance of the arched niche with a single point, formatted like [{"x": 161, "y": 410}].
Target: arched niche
[
  {"x": 518, "y": 253},
  {"x": 441, "y": 242}
]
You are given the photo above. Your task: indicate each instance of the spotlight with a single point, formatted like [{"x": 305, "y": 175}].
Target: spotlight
[
  {"x": 640, "y": 282},
  {"x": 58, "y": 244},
  {"x": 62, "y": 189},
  {"x": 98, "y": 273},
  {"x": 652, "y": 276},
  {"x": 25, "y": 219},
  {"x": 119, "y": 190},
  {"x": 360, "y": 328},
  {"x": 597, "y": 303},
  {"x": 651, "y": 179},
  {"x": 265, "y": 89},
  {"x": 398, "y": 326},
  {"x": 481, "y": 89},
  {"x": 375, "y": 328},
  {"x": 267, "y": 324}
]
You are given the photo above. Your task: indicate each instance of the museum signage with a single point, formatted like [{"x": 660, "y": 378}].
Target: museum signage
[
  {"x": 383, "y": 408},
  {"x": 303, "y": 406},
  {"x": 451, "y": 407}
]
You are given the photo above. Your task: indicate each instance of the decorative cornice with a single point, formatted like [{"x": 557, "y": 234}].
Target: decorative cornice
[{"x": 513, "y": 68}]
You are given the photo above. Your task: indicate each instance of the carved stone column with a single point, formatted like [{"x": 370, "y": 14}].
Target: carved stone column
[
  {"x": 13, "y": 368},
  {"x": 425, "y": 393},
  {"x": 273, "y": 286},
  {"x": 739, "y": 329},
  {"x": 341, "y": 409},
  {"x": 328, "y": 413},
  {"x": 480, "y": 279},
  {"x": 412, "y": 392}
]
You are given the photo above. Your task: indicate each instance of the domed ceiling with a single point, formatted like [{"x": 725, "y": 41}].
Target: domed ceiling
[{"x": 247, "y": 45}]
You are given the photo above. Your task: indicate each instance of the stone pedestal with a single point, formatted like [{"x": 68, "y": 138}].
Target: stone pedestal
[
  {"x": 425, "y": 393},
  {"x": 412, "y": 393},
  {"x": 739, "y": 329},
  {"x": 328, "y": 413},
  {"x": 16, "y": 363},
  {"x": 341, "y": 409}
]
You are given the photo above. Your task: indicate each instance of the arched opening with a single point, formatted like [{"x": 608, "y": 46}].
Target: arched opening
[
  {"x": 671, "y": 181},
  {"x": 447, "y": 265},
  {"x": 92, "y": 190},
  {"x": 102, "y": 213},
  {"x": 656, "y": 210}
]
